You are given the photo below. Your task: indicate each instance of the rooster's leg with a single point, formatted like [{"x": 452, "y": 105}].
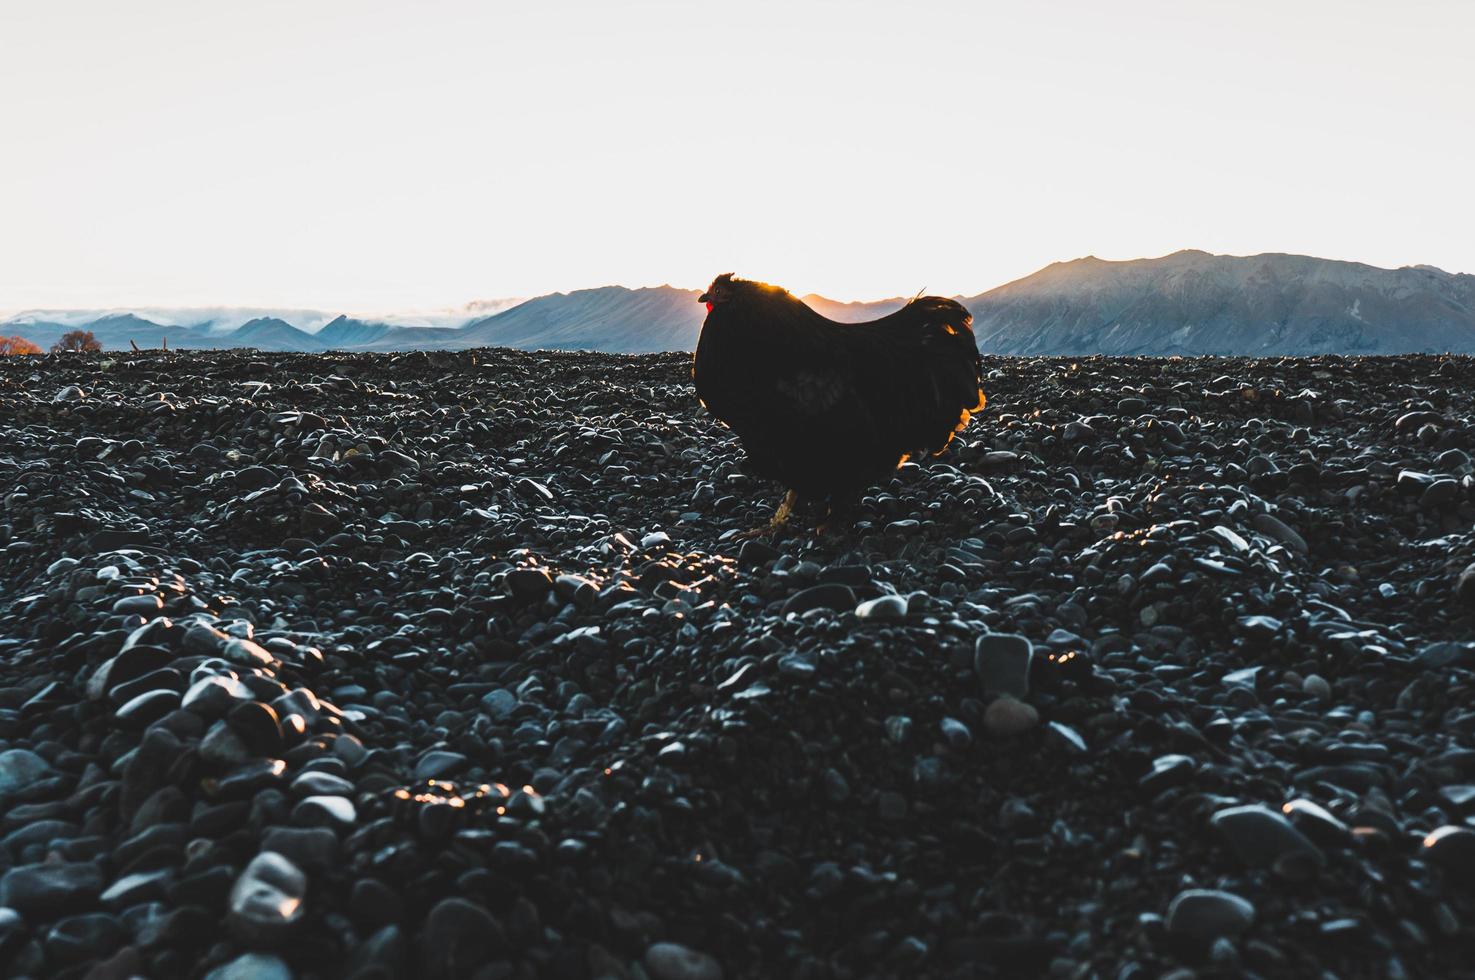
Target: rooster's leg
[
  {"x": 784, "y": 511},
  {"x": 780, "y": 517}
]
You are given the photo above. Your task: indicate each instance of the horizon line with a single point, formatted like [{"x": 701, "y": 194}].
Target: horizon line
[{"x": 7, "y": 315}]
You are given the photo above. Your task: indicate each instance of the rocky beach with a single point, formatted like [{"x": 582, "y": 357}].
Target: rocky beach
[{"x": 452, "y": 665}]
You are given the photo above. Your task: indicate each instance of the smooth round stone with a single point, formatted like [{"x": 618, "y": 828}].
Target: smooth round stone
[
  {"x": 1317, "y": 823},
  {"x": 160, "y": 632},
  {"x": 885, "y": 608},
  {"x": 312, "y": 848},
  {"x": 1317, "y": 687},
  {"x": 1453, "y": 849},
  {"x": 1001, "y": 661},
  {"x": 257, "y": 725},
  {"x": 83, "y": 937},
  {"x": 956, "y": 733},
  {"x": 499, "y": 702},
  {"x": 1273, "y": 527},
  {"x": 147, "y": 708},
  {"x": 40, "y": 832},
  {"x": 898, "y": 728},
  {"x": 1259, "y": 627},
  {"x": 1245, "y": 678},
  {"x": 124, "y": 964},
  {"x": 655, "y": 539},
  {"x": 164, "y": 679},
  {"x": 223, "y": 747},
  {"x": 374, "y": 903},
  {"x": 1008, "y": 716},
  {"x": 131, "y": 664},
  {"x": 1065, "y": 737},
  {"x": 254, "y": 477},
  {"x": 247, "y": 653},
  {"x": 439, "y": 764},
  {"x": 1465, "y": 585},
  {"x": 204, "y": 639},
  {"x": 319, "y": 783},
  {"x": 1168, "y": 771},
  {"x": 1445, "y": 652},
  {"x": 1262, "y": 837},
  {"x": 252, "y": 966},
  {"x": 349, "y": 749},
  {"x": 299, "y": 701},
  {"x": 266, "y": 901},
  {"x": 12, "y": 930},
  {"x": 19, "y": 769},
  {"x": 250, "y": 777},
  {"x": 42, "y": 890},
  {"x": 529, "y": 584},
  {"x": 382, "y": 954},
  {"x": 133, "y": 889},
  {"x": 852, "y": 575},
  {"x": 753, "y": 553},
  {"x": 1439, "y": 493},
  {"x": 324, "y": 811},
  {"x": 835, "y": 786},
  {"x": 61, "y": 565},
  {"x": 795, "y": 665},
  {"x": 138, "y": 605},
  {"x": 672, "y": 961},
  {"x": 1460, "y": 796},
  {"x": 458, "y": 937},
  {"x": 1205, "y": 915},
  {"x": 534, "y": 490},
  {"x": 832, "y": 595},
  {"x": 1064, "y": 639},
  {"x": 212, "y": 697}
]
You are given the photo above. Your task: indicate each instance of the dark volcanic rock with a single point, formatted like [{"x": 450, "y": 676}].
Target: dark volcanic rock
[
  {"x": 458, "y": 937},
  {"x": 1465, "y": 585},
  {"x": 1262, "y": 837},
  {"x": 1205, "y": 914},
  {"x": 831, "y": 595},
  {"x": 1002, "y": 661},
  {"x": 453, "y": 665},
  {"x": 45, "y": 889},
  {"x": 267, "y": 899},
  {"x": 20, "y": 769},
  {"x": 1453, "y": 848}
]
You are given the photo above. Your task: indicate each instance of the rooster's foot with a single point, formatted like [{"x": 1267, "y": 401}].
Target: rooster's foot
[{"x": 780, "y": 518}]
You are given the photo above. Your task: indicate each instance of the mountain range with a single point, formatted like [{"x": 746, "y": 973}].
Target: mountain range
[{"x": 1186, "y": 303}]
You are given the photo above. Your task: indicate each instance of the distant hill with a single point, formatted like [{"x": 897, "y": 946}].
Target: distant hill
[
  {"x": 223, "y": 326},
  {"x": 1192, "y": 302},
  {"x": 342, "y": 332},
  {"x": 113, "y": 332},
  {"x": 270, "y": 333},
  {"x": 1186, "y": 303},
  {"x": 854, "y": 312},
  {"x": 610, "y": 318}
]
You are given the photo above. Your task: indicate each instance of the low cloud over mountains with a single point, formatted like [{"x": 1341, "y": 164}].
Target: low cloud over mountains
[{"x": 1186, "y": 303}]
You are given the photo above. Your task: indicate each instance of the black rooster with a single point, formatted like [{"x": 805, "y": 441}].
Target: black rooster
[{"x": 828, "y": 408}]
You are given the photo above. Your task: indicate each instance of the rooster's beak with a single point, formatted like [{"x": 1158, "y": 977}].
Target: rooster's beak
[{"x": 702, "y": 298}]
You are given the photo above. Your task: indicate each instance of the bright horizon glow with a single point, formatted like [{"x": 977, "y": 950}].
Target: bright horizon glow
[{"x": 374, "y": 156}]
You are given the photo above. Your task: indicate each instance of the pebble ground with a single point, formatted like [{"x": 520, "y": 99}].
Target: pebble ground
[{"x": 449, "y": 665}]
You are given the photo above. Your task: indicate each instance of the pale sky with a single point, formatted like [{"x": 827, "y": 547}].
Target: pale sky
[{"x": 368, "y": 155}]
